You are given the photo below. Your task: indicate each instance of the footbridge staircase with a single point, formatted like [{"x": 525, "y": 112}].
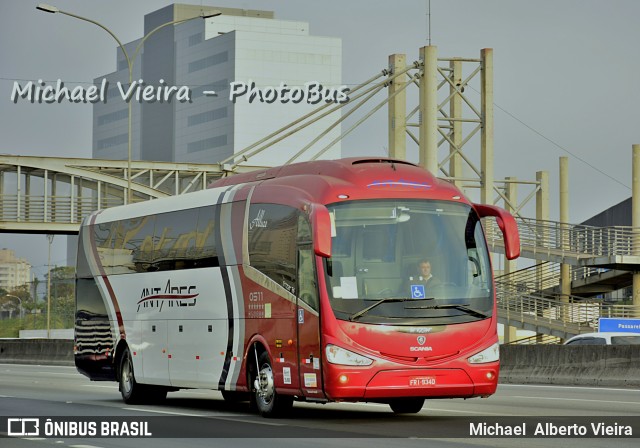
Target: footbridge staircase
[{"x": 602, "y": 259}]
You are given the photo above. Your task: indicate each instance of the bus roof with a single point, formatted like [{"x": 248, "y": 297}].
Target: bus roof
[{"x": 356, "y": 177}]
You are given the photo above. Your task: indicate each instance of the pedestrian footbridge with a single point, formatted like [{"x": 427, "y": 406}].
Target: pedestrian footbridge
[
  {"x": 53, "y": 194},
  {"x": 603, "y": 259}
]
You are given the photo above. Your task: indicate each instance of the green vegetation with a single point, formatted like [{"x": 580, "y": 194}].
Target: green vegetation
[
  {"x": 34, "y": 313},
  {"x": 10, "y": 328}
]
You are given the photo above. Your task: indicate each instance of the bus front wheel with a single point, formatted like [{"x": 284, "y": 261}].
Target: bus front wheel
[
  {"x": 406, "y": 405},
  {"x": 267, "y": 400}
]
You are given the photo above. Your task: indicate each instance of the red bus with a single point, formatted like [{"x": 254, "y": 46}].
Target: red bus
[{"x": 360, "y": 279}]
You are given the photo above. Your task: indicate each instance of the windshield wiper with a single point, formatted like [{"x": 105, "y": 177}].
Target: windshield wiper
[
  {"x": 459, "y": 306},
  {"x": 364, "y": 311}
]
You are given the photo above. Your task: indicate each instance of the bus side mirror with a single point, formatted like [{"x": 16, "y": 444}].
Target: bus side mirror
[
  {"x": 507, "y": 225},
  {"x": 321, "y": 225}
]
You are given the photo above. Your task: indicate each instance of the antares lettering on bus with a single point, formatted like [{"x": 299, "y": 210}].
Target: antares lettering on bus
[{"x": 178, "y": 296}]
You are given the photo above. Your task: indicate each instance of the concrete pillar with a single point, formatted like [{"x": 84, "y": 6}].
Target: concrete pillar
[
  {"x": 398, "y": 108},
  {"x": 565, "y": 269},
  {"x": 429, "y": 110},
  {"x": 511, "y": 192},
  {"x": 542, "y": 214},
  {"x": 2, "y": 195},
  {"x": 455, "y": 112},
  {"x": 486, "y": 136},
  {"x": 635, "y": 220},
  {"x": 542, "y": 204},
  {"x": 28, "y": 203}
]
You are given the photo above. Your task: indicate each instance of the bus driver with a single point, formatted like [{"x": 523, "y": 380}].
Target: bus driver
[{"x": 425, "y": 283}]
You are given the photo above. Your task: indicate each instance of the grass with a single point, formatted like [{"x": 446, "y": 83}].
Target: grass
[{"x": 10, "y": 328}]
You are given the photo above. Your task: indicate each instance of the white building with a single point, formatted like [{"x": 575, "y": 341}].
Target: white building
[
  {"x": 14, "y": 271},
  {"x": 238, "y": 46}
]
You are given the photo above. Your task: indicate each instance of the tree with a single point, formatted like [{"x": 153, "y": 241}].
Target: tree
[
  {"x": 62, "y": 281},
  {"x": 62, "y": 304}
]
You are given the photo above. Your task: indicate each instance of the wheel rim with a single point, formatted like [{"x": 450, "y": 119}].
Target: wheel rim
[
  {"x": 266, "y": 389},
  {"x": 127, "y": 377}
]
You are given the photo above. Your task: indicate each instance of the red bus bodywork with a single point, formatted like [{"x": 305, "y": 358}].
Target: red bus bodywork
[{"x": 268, "y": 328}]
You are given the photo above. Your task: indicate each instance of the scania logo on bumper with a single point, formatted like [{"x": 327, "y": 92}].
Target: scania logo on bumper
[{"x": 421, "y": 340}]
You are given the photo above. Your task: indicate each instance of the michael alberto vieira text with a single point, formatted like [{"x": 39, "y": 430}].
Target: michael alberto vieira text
[{"x": 550, "y": 429}]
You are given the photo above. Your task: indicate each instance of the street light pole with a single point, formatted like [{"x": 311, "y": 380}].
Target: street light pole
[{"x": 130, "y": 60}]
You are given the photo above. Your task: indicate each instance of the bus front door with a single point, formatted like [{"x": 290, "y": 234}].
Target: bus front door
[{"x": 309, "y": 347}]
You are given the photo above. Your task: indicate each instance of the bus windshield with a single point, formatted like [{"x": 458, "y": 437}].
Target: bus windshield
[{"x": 408, "y": 262}]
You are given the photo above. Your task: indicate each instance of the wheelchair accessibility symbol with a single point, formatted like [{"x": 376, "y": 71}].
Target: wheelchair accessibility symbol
[{"x": 417, "y": 292}]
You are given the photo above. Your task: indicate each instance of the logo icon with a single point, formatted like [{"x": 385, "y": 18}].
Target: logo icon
[
  {"x": 258, "y": 221},
  {"x": 21, "y": 427},
  {"x": 421, "y": 340}
]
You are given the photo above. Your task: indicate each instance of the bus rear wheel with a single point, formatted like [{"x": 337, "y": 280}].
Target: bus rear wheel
[
  {"x": 268, "y": 402},
  {"x": 132, "y": 392},
  {"x": 406, "y": 405}
]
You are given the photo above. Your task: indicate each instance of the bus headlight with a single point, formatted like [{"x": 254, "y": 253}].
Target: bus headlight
[
  {"x": 490, "y": 354},
  {"x": 339, "y": 355}
]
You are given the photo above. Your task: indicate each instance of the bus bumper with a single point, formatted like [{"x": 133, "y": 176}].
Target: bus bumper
[{"x": 359, "y": 385}]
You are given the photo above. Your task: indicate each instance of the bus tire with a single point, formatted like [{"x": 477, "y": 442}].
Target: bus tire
[
  {"x": 131, "y": 391},
  {"x": 406, "y": 405},
  {"x": 268, "y": 402}
]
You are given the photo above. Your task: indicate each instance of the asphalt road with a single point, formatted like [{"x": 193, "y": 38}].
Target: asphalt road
[{"x": 202, "y": 418}]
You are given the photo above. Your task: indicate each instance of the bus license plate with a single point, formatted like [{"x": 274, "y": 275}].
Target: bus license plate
[{"x": 422, "y": 381}]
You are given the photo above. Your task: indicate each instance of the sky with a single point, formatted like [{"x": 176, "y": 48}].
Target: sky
[{"x": 566, "y": 80}]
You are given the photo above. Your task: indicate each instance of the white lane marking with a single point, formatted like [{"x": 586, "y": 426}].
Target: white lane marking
[
  {"x": 112, "y": 386},
  {"x": 576, "y": 399},
  {"x": 33, "y": 438},
  {"x": 164, "y": 412},
  {"x": 6, "y": 396},
  {"x": 567, "y": 387},
  {"x": 255, "y": 422},
  {"x": 429, "y": 409},
  {"x": 26, "y": 372},
  {"x": 38, "y": 365}
]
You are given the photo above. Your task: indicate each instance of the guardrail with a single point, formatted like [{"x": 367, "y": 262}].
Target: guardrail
[
  {"x": 571, "y": 316},
  {"x": 546, "y": 275},
  {"x": 570, "y": 239}
]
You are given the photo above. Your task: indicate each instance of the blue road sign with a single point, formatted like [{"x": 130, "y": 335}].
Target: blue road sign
[
  {"x": 619, "y": 324},
  {"x": 417, "y": 292}
]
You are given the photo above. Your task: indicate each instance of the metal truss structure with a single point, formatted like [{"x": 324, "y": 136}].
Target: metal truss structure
[{"x": 52, "y": 194}]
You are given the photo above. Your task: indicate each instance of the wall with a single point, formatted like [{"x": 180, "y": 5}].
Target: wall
[
  {"x": 56, "y": 352},
  {"x": 596, "y": 365}
]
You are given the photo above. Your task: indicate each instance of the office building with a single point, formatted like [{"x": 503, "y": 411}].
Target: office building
[{"x": 239, "y": 46}]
